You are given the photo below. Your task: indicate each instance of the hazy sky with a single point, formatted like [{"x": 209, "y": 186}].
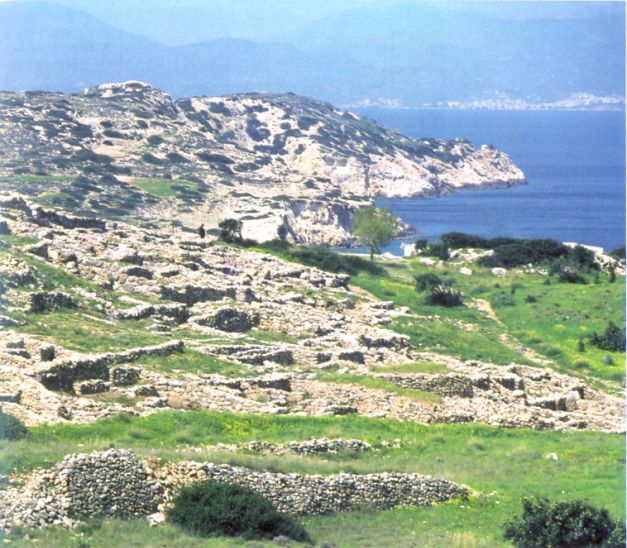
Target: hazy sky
[{"x": 187, "y": 21}]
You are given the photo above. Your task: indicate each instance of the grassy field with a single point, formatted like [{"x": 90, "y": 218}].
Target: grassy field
[
  {"x": 547, "y": 318},
  {"x": 500, "y": 465}
]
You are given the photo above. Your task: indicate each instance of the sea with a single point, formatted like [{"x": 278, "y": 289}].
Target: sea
[{"x": 574, "y": 162}]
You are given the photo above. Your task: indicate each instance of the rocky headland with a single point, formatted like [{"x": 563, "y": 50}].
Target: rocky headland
[{"x": 280, "y": 163}]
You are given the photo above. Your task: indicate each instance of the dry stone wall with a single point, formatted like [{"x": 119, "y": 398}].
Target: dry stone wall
[{"x": 115, "y": 484}]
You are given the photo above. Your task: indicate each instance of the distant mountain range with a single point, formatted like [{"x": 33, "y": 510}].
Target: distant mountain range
[{"x": 383, "y": 53}]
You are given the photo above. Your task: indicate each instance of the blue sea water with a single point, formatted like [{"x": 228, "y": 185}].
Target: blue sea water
[{"x": 574, "y": 163}]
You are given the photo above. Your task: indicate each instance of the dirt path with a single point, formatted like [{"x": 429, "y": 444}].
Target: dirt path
[{"x": 486, "y": 308}]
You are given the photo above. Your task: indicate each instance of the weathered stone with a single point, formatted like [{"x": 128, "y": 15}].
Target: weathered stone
[
  {"x": 125, "y": 375},
  {"x": 92, "y": 387},
  {"x": 50, "y": 300},
  {"x": 232, "y": 320},
  {"x": 47, "y": 353}
]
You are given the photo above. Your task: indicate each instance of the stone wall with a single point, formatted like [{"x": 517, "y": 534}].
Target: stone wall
[
  {"x": 115, "y": 484},
  {"x": 50, "y": 300},
  {"x": 315, "y": 494},
  {"x": 109, "y": 484},
  {"x": 61, "y": 374}
]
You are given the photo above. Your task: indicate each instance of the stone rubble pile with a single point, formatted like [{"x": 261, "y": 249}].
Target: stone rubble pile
[{"x": 310, "y": 447}]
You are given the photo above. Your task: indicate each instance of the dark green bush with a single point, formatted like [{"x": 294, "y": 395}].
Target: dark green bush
[
  {"x": 613, "y": 338},
  {"x": 230, "y": 230},
  {"x": 210, "y": 508},
  {"x": 439, "y": 250},
  {"x": 618, "y": 253},
  {"x": 11, "y": 428},
  {"x": 502, "y": 298},
  {"x": 458, "y": 240},
  {"x": 420, "y": 244},
  {"x": 549, "y": 524},
  {"x": 321, "y": 257},
  {"x": 427, "y": 282},
  {"x": 444, "y": 296}
]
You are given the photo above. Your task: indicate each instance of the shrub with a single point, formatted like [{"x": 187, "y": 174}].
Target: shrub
[
  {"x": 547, "y": 523},
  {"x": 209, "y": 508},
  {"x": 439, "y": 250},
  {"x": 501, "y": 298},
  {"x": 230, "y": 230},
  {"x": 612, "y": 339},
  {"x": 321, "y": 257},
  {"x": 457, "y": 240},
  {"x": 427, "y": 282},
  {"x": 11, "y": 428},
  {"x": 571, "y": 277},
  {"x": 444, "y": 296},
  {"x": 420, "y": 244},
  {"x": 618, "y": 253}
]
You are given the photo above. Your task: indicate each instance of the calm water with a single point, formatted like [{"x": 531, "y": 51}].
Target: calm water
[{"x": 574, "y": 163}]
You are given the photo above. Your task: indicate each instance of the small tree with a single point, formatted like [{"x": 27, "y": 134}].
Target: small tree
[
  {"x": 374, "y": 227},
  {"x": 230, "y": 230}
]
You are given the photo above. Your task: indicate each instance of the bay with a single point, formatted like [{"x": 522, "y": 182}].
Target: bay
[{"x": 574, "y": 162}]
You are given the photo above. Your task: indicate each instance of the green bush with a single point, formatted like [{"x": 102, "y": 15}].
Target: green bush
[
  {"x": 618, "y": 253},
  {"x": 444, "y": 296},
  {"x": 321, "y": 257},
  {"x": 211, "y": 508},
  {"x": 420, "y": 244},
  {"x": 502, "y": 298},
  {"x": 439, "y": 250},
  {"x": 549, "y": 524},
  {"x": 427, "y": 282},
  {"x": 11, "y": 428},
  {"x": 612, "y": 339}
]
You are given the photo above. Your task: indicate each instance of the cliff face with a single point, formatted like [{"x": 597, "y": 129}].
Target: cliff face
[{"x": 272, "y": 160}]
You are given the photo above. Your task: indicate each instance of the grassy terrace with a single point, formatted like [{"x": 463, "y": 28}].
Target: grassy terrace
[{"x": 502, "y": 465}]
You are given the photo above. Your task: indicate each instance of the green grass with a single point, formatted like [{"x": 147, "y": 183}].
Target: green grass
[
  {"x": 562, "y": 314},
  {"x": 503, "y": 465},
  {"x": 380, "y": 384},
  {"x": 418, "y": 367},
  {"x": 551, "y": 326},
  {"x": 162, "y": 188},
  {"x": 82, "y": 332},
  {"x": 190, "y": 361}
]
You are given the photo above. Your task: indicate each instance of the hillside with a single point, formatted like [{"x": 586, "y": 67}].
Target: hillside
[
  {"x": 212, "y": 361},
  {"x": 273, "y": 161}
]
